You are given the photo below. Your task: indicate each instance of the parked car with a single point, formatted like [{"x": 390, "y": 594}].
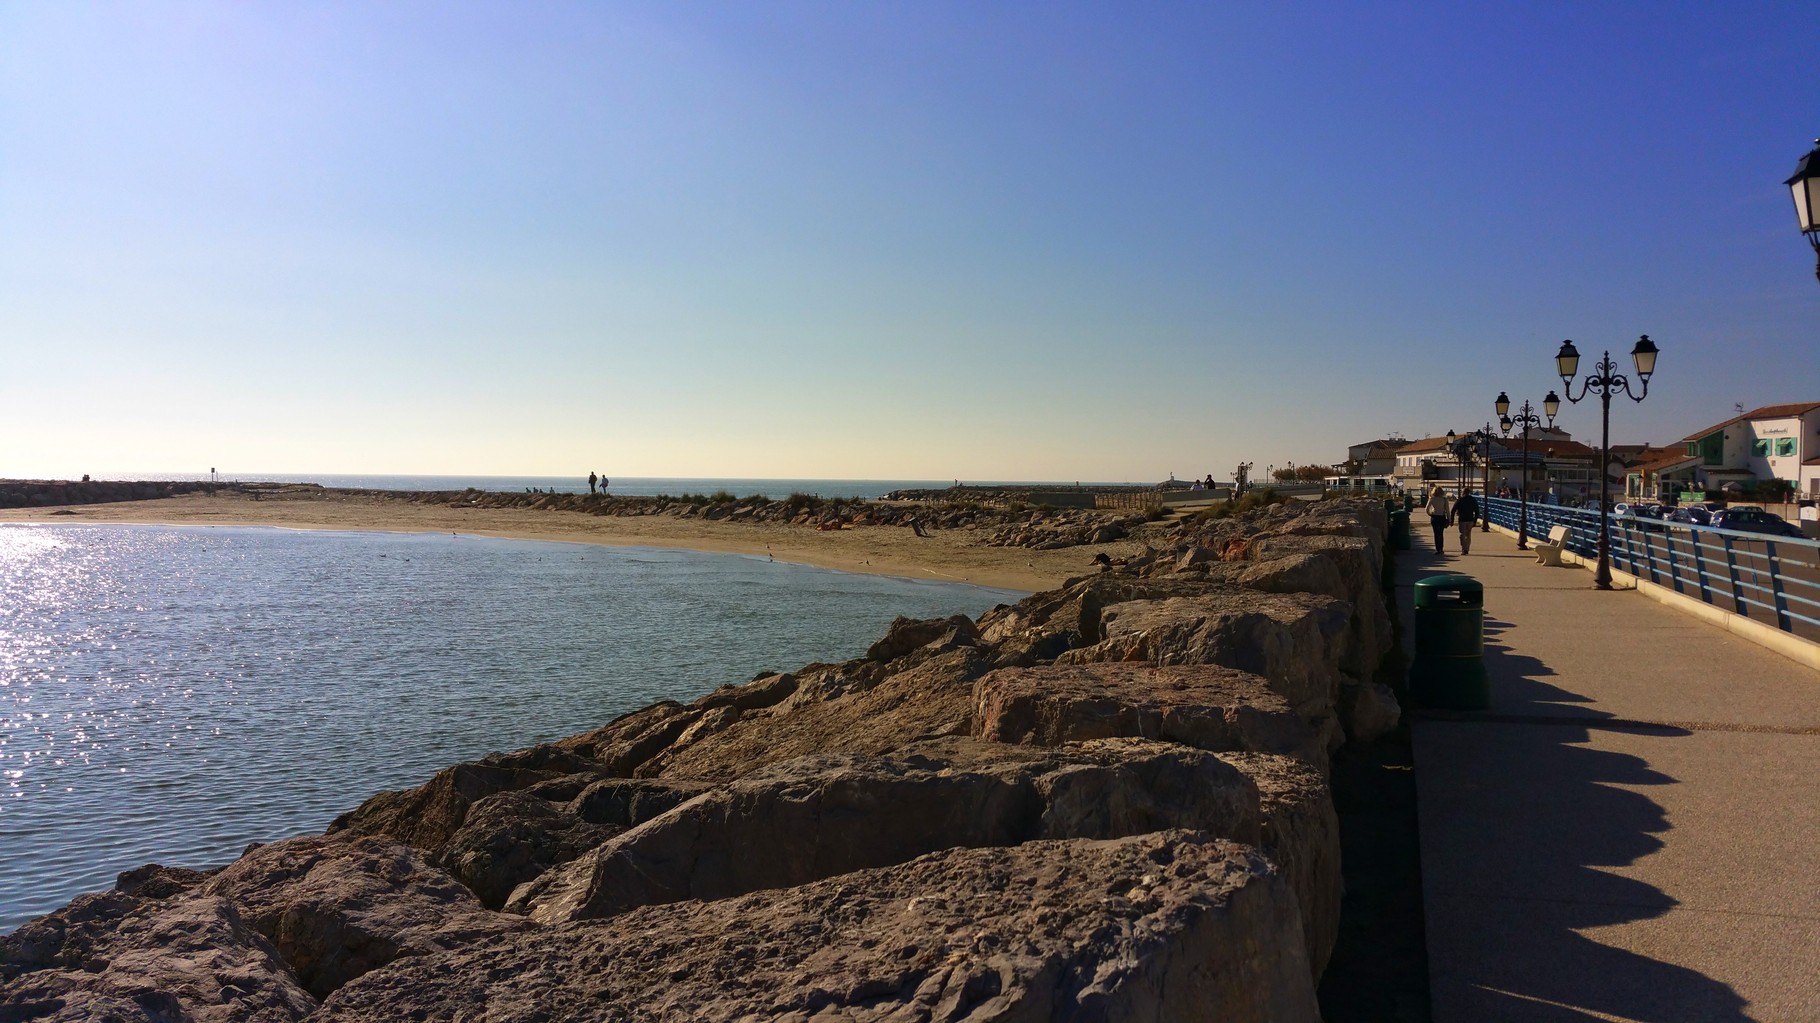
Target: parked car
[
  {"x": 1691, "y": 515},
  {"x": 1647, "y": 515},
  {"x": 1746, "y": 519}
]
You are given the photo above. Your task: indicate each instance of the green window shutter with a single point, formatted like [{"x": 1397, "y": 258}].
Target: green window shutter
[
  {"x": 1759, "y": 448},
  {"x": 1785, "y": 446}
]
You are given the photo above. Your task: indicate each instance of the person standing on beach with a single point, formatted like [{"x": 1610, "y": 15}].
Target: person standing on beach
[
  {"x": 592, "y": 479},
  {"x": 1466, "y": 515},
  {"x": 1438, "y": 510}
]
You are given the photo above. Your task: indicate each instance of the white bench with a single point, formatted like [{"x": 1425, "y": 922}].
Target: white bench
[{"x": 1550, "y": 553}]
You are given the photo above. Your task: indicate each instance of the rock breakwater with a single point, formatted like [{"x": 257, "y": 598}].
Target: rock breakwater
[
  {"x": 1107, "y": 801},
  {"x": 58, "y": 493}
]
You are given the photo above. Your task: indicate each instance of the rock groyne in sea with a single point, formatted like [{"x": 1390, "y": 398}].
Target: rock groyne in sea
[
  {"x": 1107, "y": 801},
  {"x": 58, "y": 493}
]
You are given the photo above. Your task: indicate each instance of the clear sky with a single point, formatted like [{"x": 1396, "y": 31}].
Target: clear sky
[{"x": 880, "y": 240}]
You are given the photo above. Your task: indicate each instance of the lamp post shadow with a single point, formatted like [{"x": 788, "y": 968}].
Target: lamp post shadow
[{"x": 1528, "y": 815}]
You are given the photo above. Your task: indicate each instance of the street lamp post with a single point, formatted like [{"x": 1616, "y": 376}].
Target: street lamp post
[
  {"x": 1526, "y": 418},
  {"x": 1482, "y": 437},
  {"x": 1604, "y": 383},
  {"x": 1806, "y": 187},
  {"x": 1459, "y": 465}
]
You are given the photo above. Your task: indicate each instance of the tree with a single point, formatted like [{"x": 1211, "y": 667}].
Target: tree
[{"x": 1304, "y": 473}]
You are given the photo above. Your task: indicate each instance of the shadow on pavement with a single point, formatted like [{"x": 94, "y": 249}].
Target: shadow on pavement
[{"x": 1522, "y": 817}]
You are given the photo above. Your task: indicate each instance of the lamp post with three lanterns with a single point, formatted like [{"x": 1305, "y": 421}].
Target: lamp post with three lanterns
[
  {"x": 1605, "y": 382},
  {"x": 1526, "y": 418},
  {"x": 1465, "y": 449},
  {"x": 1481, "y": 439}
]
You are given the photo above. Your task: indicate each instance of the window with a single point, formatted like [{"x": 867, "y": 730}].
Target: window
[
  {"x": 1759, "y": 449},
  {"x": 1785, "y": 447}
]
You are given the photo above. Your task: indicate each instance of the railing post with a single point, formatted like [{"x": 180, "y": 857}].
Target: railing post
[
  {"x": 1649, "y": 554},
  {"x": 1731, "y": 569},
  {"x": 1775, "y": 586},
  {"x": 1706, "y": 588},
  {"x": 1668, "y": 548},
  {"x": 1623, "y": 549}
]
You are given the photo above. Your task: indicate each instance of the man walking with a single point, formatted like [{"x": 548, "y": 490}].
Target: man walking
[{"x": 1465, "y": 515}]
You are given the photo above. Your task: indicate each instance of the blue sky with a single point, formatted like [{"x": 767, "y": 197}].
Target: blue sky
[{"x": 987, "y": 241}]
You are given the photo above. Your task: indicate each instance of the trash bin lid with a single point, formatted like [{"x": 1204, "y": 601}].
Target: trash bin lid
[{"x": 1449, "y": 591}]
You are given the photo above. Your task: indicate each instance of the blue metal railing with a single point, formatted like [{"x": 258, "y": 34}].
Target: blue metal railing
[{"x": 1774, "y": 580}]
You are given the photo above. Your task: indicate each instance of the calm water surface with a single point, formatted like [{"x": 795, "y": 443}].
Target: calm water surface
[{"x": 171, "y": 694}]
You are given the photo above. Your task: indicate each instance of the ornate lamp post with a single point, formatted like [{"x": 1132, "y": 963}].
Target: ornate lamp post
[
  {"x": 1605, "y": 382},
  {"x": 1526, "y": 418},
  {"x": 1806, "y": 186},
  {"x": 1459, "y": 461},
  {"x": 1482, "y": 439}
]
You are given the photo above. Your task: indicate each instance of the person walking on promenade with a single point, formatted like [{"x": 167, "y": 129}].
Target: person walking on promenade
[
  {"x": 1466, "y": 515},
  {"x": 1439, "y": 509}
]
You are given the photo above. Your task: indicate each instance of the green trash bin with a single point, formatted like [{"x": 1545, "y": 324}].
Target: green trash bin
[
  {"x": 1399, "y": 530},
  {"x": 1449, "y": 666}
]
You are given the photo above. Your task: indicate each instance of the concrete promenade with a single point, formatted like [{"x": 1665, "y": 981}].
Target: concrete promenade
[{"x": 1632, "y": 831}]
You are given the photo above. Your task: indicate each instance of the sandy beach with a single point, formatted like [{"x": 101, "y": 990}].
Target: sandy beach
[{"x": 950, "y": 555}]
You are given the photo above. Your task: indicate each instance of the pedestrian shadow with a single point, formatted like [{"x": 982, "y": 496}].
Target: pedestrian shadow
[{"x": 1525, "y": 810}]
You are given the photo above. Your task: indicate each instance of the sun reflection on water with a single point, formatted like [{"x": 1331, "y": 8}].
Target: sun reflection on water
[{"x": 169, "y": 695}]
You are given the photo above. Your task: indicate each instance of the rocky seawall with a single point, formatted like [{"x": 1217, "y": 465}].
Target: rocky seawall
[
  {"x": 1106, "y": 802},
  {"x": 57, "y": 493}
]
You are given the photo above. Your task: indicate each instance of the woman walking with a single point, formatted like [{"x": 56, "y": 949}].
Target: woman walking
[{"x": 1439, "y": 510}]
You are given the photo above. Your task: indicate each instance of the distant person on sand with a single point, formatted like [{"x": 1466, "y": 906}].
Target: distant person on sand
[
  {"x": 592, "y": 479},
  {"x": 1466, "y": 515},
  {"x": 1439, "y": 509}
]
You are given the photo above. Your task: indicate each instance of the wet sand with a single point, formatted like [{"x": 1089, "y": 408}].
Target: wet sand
[{"x": 950, "y": 555}]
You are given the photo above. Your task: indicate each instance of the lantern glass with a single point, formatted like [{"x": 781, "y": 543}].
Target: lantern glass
[
  {"x": 1504, "y": 423},
  {"x": 1805, "y": 186},
  {"x": 1567, "y": 360},
  {"x": 1644, "y": 357},
  {"x": 1502, "y": 405},
  {"x": 1551, "y": 403}
]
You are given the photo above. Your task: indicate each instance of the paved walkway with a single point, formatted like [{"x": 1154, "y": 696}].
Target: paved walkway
[{"x": 1632, "y": 832}]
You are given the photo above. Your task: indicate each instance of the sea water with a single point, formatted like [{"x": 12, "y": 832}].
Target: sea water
[{"x": 171, "y": 694}]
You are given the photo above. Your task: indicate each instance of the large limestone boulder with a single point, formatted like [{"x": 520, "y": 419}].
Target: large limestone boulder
[
  {"x": 1301, "y": 835},
  {"x": 1369, "y": 711},
  {"x": 1204, "y": 705},
  {"x": 114, "y": 956},
  {"x": 815, "y": 817},
  {"x": 834, "y": 709},
  {"x": 511, "y": 837},
  {"x": 1345, "y": 567},
  {"x": 1162, "y": 926},
  {"x": 1294, "y": 640},
  {"x": 429, "y": 814},
  {"x": 1043, "y": 626},
  {"x": 337, "y": 907}
]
